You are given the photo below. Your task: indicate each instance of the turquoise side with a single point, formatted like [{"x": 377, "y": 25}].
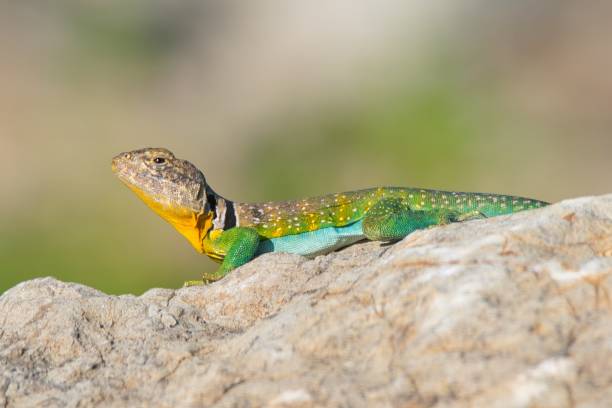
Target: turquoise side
[{"x": 314, "y": 243}]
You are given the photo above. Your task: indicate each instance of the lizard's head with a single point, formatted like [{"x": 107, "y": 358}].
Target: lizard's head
[{"x": 173, "y": 188}]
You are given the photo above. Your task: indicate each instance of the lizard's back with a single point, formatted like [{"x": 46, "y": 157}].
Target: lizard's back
[{"x": 320, "y": 224}]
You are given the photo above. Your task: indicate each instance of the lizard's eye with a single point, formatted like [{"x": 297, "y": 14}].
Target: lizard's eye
[{"x": 159, "y": 160}]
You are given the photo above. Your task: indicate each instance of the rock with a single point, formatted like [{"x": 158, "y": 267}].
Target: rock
[{"x": 512, "y": 311}]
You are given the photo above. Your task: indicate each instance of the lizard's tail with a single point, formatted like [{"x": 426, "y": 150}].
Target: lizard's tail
[{"x": 501, "y": 205}]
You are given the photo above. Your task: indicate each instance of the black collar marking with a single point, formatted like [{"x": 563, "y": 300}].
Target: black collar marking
[
  {"x": 211, "y": 202},
  {"x": 230, "y": 215},
  {"x": 230, "y": 211}
]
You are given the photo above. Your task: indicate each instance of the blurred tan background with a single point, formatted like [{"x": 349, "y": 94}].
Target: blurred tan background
[{"x": 278, "y": 100}]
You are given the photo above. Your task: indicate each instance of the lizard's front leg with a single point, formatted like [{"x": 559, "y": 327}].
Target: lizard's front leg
[{"x": 238, "y": 245}]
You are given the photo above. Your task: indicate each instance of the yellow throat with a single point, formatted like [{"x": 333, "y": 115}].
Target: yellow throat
[{"x": 190, "y": 224}]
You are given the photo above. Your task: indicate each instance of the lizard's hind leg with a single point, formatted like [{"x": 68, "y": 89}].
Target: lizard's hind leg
[{"x": 392, "y": 219}]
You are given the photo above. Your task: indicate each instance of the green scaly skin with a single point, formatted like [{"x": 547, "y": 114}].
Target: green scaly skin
[{"x": 234, "y": 233}]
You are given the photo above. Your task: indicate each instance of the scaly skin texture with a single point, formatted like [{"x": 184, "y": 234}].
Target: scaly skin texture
[{"x": 234, "y": 233}]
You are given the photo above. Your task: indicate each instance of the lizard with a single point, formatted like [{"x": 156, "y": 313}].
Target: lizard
[{"x": 233, "y": 233}]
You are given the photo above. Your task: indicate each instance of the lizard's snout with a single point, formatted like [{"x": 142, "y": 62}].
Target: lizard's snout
[
  {"x": 115, "y": 163},
  {"x": 119, "y": 160}
]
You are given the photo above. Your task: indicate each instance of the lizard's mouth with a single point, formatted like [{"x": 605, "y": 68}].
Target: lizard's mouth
[
  {"x": 118, "y": 166},
  {"x": 122, "y": 169}
]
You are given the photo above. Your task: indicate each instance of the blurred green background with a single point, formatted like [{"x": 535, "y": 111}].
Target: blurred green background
[{"x": 282, "y": 100}]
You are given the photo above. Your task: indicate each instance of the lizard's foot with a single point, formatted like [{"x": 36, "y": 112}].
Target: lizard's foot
[
  {"x": 207, "y": 278},
  {"x": 189, "y": 283},
  {"x": 472, "y": 215},
  {"x": 199, "y": 282}
]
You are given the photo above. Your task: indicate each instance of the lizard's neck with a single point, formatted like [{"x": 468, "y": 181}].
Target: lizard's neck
[{"x": 215, "y": 213}]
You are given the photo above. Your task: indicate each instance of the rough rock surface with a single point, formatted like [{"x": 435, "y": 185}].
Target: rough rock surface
[{"x": 508, "y": 312}]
